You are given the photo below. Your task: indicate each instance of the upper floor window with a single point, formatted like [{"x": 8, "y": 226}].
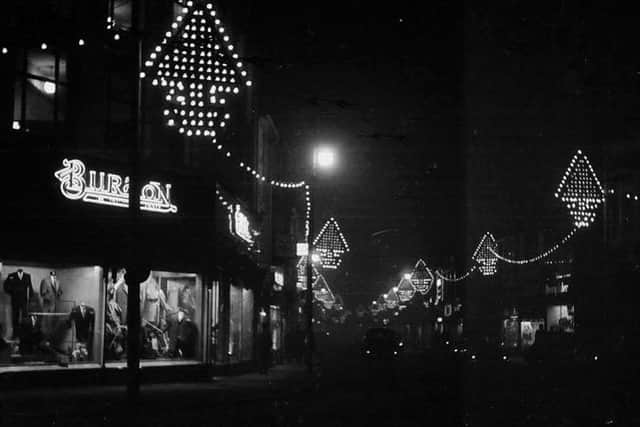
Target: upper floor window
[{"x": 40, "y": 89}]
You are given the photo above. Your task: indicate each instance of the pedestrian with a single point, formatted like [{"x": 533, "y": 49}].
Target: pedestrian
[{"x": 265, "y": 344}]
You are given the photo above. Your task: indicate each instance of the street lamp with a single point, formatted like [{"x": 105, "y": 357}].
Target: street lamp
[{"x": 324, "y": 159}]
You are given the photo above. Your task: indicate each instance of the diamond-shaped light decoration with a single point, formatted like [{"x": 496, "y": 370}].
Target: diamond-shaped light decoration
[
  {"x": 391, "y": 299},
  {"x": 322, "y": 292},
  {"x": 486, "y": 259},
  {"x": 405, "y": 290},
  {"x": 198, "y": 71},
  {"x": 580, "y": 190},
  {"x": 422, "y": 277},
  {"x": 330, "y": 244}
]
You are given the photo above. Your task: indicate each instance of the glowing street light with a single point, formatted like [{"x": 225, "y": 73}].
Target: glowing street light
[{"x": 324, "y": 157}]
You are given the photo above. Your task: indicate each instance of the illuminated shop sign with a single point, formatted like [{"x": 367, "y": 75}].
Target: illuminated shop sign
[
  {"x": 76, "y": 183},
  {"x": 239, "y": 224}
]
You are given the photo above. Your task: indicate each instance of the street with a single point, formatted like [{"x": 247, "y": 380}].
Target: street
[{"x": 345, "y": 390}]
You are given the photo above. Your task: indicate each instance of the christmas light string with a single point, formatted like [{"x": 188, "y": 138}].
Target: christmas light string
[
  {"x": 457, "y": 279},
  {"x": 536, "y": 258}
]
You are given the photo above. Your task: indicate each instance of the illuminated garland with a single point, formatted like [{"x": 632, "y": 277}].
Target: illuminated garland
[
  {"x": 544, "y": 254},
  {"x": 421, "y": 277},
  {"x": 580, "y": 191},
  {"x": 198, "y": 71},
  {"x": 330, "y": 244},
  {"x": 457, "y": 279},
  {"x": 307, "y": 213},
  {"x": 484, "y": 255}
]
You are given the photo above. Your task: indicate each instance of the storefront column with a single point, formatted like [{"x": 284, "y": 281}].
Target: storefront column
[{"x": 133, "y": 298}]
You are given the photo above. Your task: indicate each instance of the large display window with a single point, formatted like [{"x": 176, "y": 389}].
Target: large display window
[
  {"x": 240, "y": 345},
  {"x": 50, "y": 314},
  {"x": 170, "y": 311},
  {"x": 560, "y": 318}
]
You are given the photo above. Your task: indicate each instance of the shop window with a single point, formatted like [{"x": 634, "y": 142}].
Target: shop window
[
  {"x": 49, "y": 315},
  {"x": 171, "y": 316},
  {"x": 240, "y": 345},
  {"x": 560, "y": 318},
  {"x": 40, "y": 90}
]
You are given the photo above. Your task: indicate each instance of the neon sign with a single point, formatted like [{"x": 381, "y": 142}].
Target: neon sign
[
  {"x": 239, "y": 224},
  {"x": 110, "y": 189}
]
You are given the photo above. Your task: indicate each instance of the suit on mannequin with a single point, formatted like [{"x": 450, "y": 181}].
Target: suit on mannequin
[
  {"x": 30, "y": 335},
  {"x": 83, "y": 318},
  {"x": 122, "y": 295},
  {"x": 18, "y": 286},
  {"x": 50, "y": 292}
]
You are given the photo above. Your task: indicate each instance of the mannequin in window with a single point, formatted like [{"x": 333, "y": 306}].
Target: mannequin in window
[
  {"x": 153, "y": 303},
  {"x": 30, "y": 335},
  {"x": 121, "y": 294},
  {"x": 18, "y": 286},
  {"x": 183, "y": 335},
  {"x": 187, "y": 300},
  {"x": 83, "y": 317},
  {"x": 50, "y": 293}
]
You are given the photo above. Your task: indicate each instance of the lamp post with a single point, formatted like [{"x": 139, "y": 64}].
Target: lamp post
[{"x": 324, "y": 158}]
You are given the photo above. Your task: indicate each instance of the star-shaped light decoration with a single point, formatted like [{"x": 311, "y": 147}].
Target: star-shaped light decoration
[
  {"x": 405, "y": 290},
  {"x": 198, "y": 71},
  {"x": 580, "y": 191},
  {"x": 422, "y": 277},
  {"x": 486, "y": 259},
  {"x": 331, "y": 244}
]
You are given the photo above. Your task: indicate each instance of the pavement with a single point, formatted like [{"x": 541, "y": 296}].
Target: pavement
[
  {"x": 347, "y": 390},
  {"x": 159, "y": 403}
]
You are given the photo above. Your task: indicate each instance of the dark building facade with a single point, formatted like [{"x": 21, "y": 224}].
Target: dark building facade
[
  {"x": 203, "y": 238},
  {"x": 537, "y": 89}
]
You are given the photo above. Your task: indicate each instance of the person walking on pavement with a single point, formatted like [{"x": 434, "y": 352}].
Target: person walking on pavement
[{"x": 265, "y": 348}]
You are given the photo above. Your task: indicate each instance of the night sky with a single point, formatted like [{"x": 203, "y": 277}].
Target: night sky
[{"x": 405, "y": 89}]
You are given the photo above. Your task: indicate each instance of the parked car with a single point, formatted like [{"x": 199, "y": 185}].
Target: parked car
[{"x": 381, "y": 343}]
